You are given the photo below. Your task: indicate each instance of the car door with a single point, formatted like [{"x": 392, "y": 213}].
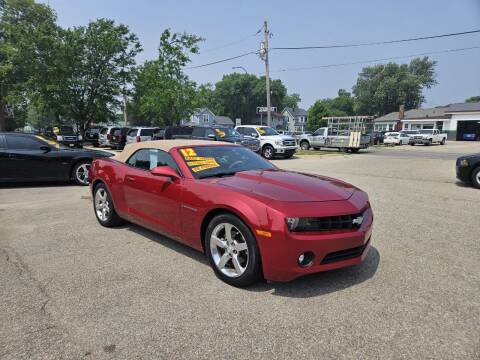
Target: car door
[
  {"x": 26, "y": 160},
  {"x": 318, "y": 137},
  {"x": 153, "y": 200}
]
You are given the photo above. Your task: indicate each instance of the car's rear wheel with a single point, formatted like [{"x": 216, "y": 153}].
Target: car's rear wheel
[
  {"x": 103, "y": 206},
  {"x": 232, "y": 251},
  {"x": 268, "y": 152},
  {"x": 80, "y": 172},
  {"x": 304, "y": 145},
  {"x": 476, "y": 177},
  {"x": 442, "y": 142}
]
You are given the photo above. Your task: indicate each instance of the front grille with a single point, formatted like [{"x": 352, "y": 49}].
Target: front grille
[
  {"x": 330, "y": 223},
  {"x": 70, "y": 138},
  {"x": 289, "y": 142},
  {"x": 418, "y": 137},
  {"x": 344, "y": 254}
]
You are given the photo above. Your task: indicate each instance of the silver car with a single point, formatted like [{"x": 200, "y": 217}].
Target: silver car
[
  {"x": 140, "y": 134},
  {"x": 105, "y": 136}
]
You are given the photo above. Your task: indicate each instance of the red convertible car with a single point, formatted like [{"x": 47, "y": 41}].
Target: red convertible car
[{"x": 251, "y": 219}]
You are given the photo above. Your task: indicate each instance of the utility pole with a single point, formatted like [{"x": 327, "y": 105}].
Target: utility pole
[
  {"x": 264, "y": 56},
  {"x": 125, "y": 109}
]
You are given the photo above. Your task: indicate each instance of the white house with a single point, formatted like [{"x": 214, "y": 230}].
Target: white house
[
  {"x": 296, "y": 119},
  {"x": 205, "y": 117},
  {"x": 455, "y": 119}
]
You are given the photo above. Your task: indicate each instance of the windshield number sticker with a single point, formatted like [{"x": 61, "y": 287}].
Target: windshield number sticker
[
  {"x": 261, "y": 131},
  {"x": 198, "y": 163},
  {"x": 220, "y": 133}
]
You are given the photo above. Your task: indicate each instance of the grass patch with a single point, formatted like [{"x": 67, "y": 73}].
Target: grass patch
[{"x": 319, "y": 153}]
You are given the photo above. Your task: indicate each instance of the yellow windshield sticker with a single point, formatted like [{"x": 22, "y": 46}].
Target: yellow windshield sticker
[
  {"x": 220, "y": 133},
  {"x": 188, "y": 152},
  {"x": 198, "y": 163},
  {"x": 261, "y": 131}
]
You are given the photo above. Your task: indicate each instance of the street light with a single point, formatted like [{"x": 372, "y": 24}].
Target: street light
[{"x": 240, "y": 67}]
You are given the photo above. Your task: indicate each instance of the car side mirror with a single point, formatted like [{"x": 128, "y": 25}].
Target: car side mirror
[
  {"x": 255, "y": 135},
  {"x": 165, "y": 171},
  {"x": 211, "y": 136},
  {"x": 45, "y": 148}
]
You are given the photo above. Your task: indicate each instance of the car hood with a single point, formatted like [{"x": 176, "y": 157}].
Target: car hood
[
  {"x": 86, "y": 152},
  {"x": 278, "y": 137},
  {"x": 286, "y": 186},
  {"x": 469, "y": 156}
]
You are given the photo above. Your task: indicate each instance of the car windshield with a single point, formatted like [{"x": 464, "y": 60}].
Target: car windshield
[
  {"x": 266, "y": 131},
  {"x": 426, "y": 131},
  {"x": 226, "y": 132},
  {"x": 217, "y": 161}
]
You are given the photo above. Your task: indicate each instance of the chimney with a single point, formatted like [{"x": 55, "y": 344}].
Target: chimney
[
  {"x": 401, "y": 116},
  {"x": 401, "y": 112}
]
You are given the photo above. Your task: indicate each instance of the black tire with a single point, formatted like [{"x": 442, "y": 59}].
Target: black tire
[
  {"x": 475, "y": 177},
  {"x": 80, "y": 172},
  {"x": 442, "y": 142},
  {"x": 429, "y": 142},
  {"x": 253, "y": 269},
  {"x": 354, "y": 150},
  {"x": 304, "y": 145},
  {"x": 112, "y": 219},
  {"x": 412, "y": 144},
  {"x": 268, "y": 152}
]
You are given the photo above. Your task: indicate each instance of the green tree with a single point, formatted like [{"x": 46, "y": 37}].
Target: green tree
[
  {"x": 204, "y": 97},
  {"x": 291, "y": 101},
  {"x": 473, "y": 99},
  {"x": 163, "y": 93},
  {"x": 95, "y": 65},
  {"x": 318, "y": 111},
  {"x": 27, "y": 31},
  {"x": 238, "y": 95},
  {"x": 381, "y": 89}
]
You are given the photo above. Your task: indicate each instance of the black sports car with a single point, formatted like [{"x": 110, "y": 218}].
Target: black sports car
[
  {"x": 27, "y": 158},
  {"x": 468, "y": 169}
]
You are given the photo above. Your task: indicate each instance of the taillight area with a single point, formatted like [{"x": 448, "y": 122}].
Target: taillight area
[
  {"x": 138, "y": 138},
  {"x": 109, "y": 136}
]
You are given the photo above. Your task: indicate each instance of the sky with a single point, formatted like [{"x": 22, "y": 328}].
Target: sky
[{"x": 304, "y": 23}]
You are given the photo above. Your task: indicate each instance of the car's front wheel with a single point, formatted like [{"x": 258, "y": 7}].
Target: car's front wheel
[
  {"x": 103, "y": 206},
  {"x": 304, "y": 145},
  {"x": 268, "y": 152},
  {"x": 232, "y": 251},
  {"x": 80, "y": 172},
  {"x": 476, "y": 177}
]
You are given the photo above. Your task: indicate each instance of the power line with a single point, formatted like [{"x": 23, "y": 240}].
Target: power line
[
  {"x": 232, "y": 43},
  {"x": 375, "y": 60},
  {"x": 377, "y": 42},
  {"x": 221, "y": 61}
]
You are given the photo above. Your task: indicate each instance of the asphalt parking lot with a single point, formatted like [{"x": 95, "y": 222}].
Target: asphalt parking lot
[{"x": 72, "y": 289}]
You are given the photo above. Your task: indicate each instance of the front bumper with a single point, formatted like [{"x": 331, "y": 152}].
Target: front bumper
[
  {"x": 72, "y": 143},
  {"x": 463, "y": 173},
  {"x": 332, "y": 250},
  {"x": 285, "y": 149}
]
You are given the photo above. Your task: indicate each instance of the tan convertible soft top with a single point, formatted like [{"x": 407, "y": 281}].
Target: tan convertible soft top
[{"x": 165, "y": 145}]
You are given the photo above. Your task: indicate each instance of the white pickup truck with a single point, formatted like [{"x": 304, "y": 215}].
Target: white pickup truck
[
  {"x": 271, "y": 142},
  {"x": 428, "y": 137}
]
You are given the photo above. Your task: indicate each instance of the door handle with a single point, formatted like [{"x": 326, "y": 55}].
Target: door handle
[{"x": 130, "y": 178}]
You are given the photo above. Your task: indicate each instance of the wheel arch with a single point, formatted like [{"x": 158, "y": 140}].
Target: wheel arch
[{"x": 212, "y": 213}]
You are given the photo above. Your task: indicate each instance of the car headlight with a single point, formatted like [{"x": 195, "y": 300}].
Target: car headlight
[
  {"x": 464, "y": 162},
  {"x": 59, "y": 138},
  {"x": 278, "y": 142},
  {"x": 292, "y": 223},
  {"x": 80, "y": 137}
]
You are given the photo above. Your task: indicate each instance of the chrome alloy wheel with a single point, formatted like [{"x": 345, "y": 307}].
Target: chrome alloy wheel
[
  {"x": 82, "y": 173},
  {"x": 102, "y": 205},
  {"x": 229, "y": 250},
  {"x": 478, "y": 177}
]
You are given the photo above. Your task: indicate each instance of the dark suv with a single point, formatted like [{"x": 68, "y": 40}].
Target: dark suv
[
  {"x": 91, "y": 135},
  {"x": 65, "y": 135},
  {"x": 216, "y": 133},
  {"x": 119, "y": 137}
]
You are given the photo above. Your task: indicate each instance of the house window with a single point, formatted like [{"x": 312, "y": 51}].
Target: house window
[{"x": 205, "y": 118}]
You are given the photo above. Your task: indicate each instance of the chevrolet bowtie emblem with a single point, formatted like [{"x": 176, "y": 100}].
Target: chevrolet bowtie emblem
[{"x": 358, "y": 220}]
